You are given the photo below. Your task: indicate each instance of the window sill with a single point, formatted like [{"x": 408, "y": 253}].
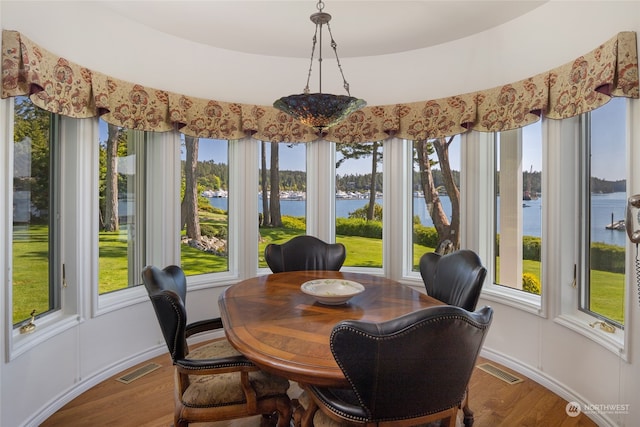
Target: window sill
[
  {"x": 46, "y": 327},
  {"x": 374, "y": 271},
  {"x": 203, "y": 281},
  {"x": 515, "y": 298},
  {"x": 414, "y": 282},
  {"x": 122, "y": 298},
  {"x": 119, "y": 299},
  {"x": 581, "y": 324}
]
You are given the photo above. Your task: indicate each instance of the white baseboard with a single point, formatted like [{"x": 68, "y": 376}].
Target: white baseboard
[
  {"x": 88, "y": 382},
  {"x": 549, "y": 383}
]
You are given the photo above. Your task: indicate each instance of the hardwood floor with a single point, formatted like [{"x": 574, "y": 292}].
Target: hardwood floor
[{"x": 148, "y": 402}]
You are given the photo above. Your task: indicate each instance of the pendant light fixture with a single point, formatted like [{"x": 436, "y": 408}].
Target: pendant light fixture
[{"x": 320, "y": 110}]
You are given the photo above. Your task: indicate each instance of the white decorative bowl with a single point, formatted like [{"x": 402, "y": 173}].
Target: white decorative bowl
[{"x": 332, "y": 291}]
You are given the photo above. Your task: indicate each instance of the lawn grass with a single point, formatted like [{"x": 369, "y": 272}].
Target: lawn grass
[
  {"x": 607, "y": 294},
  {"x": 30, "y": 271},
  {"x": 194, "y": 261},
  {"x": 112, "y": 261},
  {"x": 362, "y": 251},
  {"x": 30, "y": 265},
  {"x": 607, "y": 290}
]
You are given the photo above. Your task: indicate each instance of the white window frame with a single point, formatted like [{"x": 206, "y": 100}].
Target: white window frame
[
  {"x": 321, "y": 203},
  {"x": 570, "y": 268},
  {"x": 69, "y": 190},
  {"x": 560, "y": 159},
  {"x": 240, "y": 184},
  {"x": 154, "y": 217},
  {"x": 478, "y": 212}
]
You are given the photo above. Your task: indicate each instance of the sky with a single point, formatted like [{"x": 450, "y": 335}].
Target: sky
[{"x": 608, "y": 133}]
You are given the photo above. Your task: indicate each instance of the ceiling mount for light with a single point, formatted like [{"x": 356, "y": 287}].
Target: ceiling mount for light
[{"x": 320, "y": 110}]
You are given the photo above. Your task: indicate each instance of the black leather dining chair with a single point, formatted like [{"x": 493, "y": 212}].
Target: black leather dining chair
[
  {"x": 304, "y": 253},
  {"x": 455, "y": 278},
  {"x": 397, "y": 371},
  {"x": 213, "y": 382}
]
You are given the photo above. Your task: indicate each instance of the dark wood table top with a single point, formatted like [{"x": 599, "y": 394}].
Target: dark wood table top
[{"x": 286, "y": 332}]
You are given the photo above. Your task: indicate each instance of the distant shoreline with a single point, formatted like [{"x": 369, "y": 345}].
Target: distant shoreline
[{"x": 603, "y": 207}]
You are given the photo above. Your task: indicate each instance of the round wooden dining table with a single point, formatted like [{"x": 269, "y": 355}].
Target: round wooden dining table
[{"x": 285, "y": 331}]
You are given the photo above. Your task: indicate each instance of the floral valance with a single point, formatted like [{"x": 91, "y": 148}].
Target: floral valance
[{"x": 60, "y": 86}]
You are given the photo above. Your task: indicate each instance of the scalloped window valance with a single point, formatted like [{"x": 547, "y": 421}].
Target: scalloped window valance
[{"x": 60, "y": 86}]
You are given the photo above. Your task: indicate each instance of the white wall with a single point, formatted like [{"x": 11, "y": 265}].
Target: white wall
[{"x": 41, "y": 380}]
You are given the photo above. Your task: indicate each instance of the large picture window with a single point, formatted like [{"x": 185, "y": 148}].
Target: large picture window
[
  {"x": 518, "y": 209},
  {"x": 603, "y": 200},
  {"x": 436, "y": 196},
  {"x": 204, "y": 209},
  {"x": 359, "y": 203},
  {"x": 282, "y": 203},
  {"x": 35, "y": 264},
  {"x": 122, "y": 216}
]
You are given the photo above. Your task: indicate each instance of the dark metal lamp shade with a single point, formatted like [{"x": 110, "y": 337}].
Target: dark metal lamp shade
[{"x": 319, "y": 110}]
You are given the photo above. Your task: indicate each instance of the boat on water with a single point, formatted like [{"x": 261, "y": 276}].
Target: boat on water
[
  {"x": 209, "y": 194},
  {"x": 616, "y": 225},
  {"x": 292, "y": 195}
]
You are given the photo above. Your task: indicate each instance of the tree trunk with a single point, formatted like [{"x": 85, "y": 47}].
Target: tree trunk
[
  {"x": 432, "y": 199},
  {"x": 111, "y": 220},
  {"x": 276, "y": 217},
  {"x": 266, "y": 218},
  {"x": 189, "y": 206},
  {"x": 441, "y": 146},
  {"x": 372, "y": 187}
]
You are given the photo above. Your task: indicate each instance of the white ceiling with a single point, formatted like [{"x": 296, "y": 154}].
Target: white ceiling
[{"x": 282, "y": 27}]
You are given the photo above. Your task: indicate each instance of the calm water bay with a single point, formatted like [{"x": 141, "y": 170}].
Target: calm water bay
[{"x": 603, "y": 206}]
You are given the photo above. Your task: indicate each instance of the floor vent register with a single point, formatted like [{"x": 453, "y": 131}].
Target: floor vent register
[
  {"x": 500, "y": 373},
  {"x": 138, "y": 373}
]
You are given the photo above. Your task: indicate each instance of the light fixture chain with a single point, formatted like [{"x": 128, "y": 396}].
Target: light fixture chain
[
  {"x": 313, "y": 49},
  {"x": 320, "y": 58},
  {"x": 334, "y": 45},
  {"x": 320, "y": 110}
]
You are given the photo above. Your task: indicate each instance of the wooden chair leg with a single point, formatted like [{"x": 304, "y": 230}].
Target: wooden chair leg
[
  {"x": 468, "y": 413},
  {"x": 451, "y": 421},
  {"x": 298, "y": 411},
  {"x": 284, "y": 410},
  {"x": 267, "y": 420},
  {"x": 307, "y": 415}
]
